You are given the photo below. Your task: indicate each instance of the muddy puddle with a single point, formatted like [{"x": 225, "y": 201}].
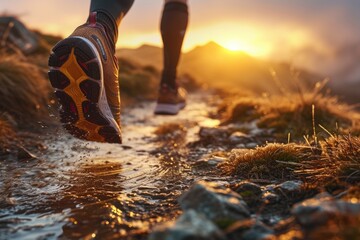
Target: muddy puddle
[{"x": 77, "y": 189}]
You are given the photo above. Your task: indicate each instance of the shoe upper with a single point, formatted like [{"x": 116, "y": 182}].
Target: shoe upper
[
  {"x": 95, "y": 33},
  {"x": 168, "y": 95}
]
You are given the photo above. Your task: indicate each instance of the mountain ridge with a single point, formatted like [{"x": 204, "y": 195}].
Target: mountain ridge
[{"x": 216, "y": 66}]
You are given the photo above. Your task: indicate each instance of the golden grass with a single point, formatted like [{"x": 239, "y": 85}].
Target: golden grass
[
  {"x": 24, "y": 89},
  {"x": 273, "y": 161},
  {"x": 340, "y": 159},
  {"x": 245, "y": 109},
  {"x": 298, "y": 114},
  {"x": 335, "y": 159}
]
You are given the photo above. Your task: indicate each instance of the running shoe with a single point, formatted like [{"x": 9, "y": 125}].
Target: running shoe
[
  {"x": 170, "y": 101},
  {"x": 84, "y": 73}
]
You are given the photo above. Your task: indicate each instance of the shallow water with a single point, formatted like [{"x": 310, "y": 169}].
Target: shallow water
[{"x": 78, "y": 189}]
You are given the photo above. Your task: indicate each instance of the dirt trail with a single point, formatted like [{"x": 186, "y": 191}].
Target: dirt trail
[{"x": 84, "y": 190}]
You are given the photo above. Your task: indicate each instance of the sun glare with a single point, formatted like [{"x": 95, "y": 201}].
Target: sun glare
[
  {"x": 232, "y": 46},
  {"x": 254, "y": 49},
  {"x": 246, "y": 37}
]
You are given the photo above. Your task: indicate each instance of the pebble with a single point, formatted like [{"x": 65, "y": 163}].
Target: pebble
[
  {"x": 220, "y": 205},
  {"x": 251, "y": 145},
  {"x": 238, "y": 137},
  {"x": 322, "y": 208},
  {"x": 190, "y": 225},
  {"x": 290, "y": 186},
  {"x": 249, "y": 191}
]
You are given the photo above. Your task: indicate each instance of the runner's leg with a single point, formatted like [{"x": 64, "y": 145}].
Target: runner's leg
[{"x": 173, "y": 26}]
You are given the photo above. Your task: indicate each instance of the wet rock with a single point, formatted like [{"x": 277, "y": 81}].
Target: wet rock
[
  {"x": 238, "y": 137},
  {"x": 215, "y": 160},
  {"x": 270, "y": 197},
  {"x": 258, "y": 232},
  {"x": 24, "y": 154},
  {"x": 322, "y": 208},
  {"x": 249, "y": 191},
  {"x": 270, "y": 188},
  {"x": 190, "y": 225},
  {"x": 251, "y": 145},
  {"x": 249, "y": 230},
  {"x": 222, "y": 206},
  {"x": 290, "y": 186},
  {"x": 241, "y": 145}
]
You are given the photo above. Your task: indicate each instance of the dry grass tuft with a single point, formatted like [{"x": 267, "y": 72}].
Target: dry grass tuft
[
  {"x": 296, "y": 113},
  {"x": 340, "y": 159},
  {"x": 24, "y": 90},
  {"x": 273, "y": 161},
  {"x": 334, "y": 159},
  {"x": 243, "y": 110},
  {"x": 298, "y": 116}
]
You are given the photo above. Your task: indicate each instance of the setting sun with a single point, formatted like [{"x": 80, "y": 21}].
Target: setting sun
[{"x": 233, "y": 46}]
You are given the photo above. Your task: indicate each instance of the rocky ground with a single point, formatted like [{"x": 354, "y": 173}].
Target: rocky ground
[{"x": 165, "y": 182}]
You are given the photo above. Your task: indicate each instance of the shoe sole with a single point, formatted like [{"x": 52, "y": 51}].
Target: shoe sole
[
  {"x": 168, "y": 109},
  {"x": 76, "y": 74}
]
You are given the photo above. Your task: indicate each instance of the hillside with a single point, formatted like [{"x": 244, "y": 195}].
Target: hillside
[{"x": 216, "y": 66}]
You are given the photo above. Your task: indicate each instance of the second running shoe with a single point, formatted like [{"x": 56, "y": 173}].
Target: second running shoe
[{"x": 170, "y": 101}]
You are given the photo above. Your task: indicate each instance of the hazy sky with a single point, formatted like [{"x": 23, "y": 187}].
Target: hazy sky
[{"x": 264, "y": 28}]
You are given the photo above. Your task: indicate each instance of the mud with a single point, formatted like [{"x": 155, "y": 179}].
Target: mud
[{"x": 75, "y": 189}]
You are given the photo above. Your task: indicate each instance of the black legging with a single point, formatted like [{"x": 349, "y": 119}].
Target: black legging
[
  {"x": 173, "y": 26},
  {"x": 115, "y": 8}
]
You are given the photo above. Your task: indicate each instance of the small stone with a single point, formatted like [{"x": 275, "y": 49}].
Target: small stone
[
  {"x": 251, "y": 145},
  {"x": 238, "y": 137},
  {"x": 249, "y": 191},
  {"x": 270, "y": 187},
  {"x": 249, "y": 229},
  {"x": 320, "y": 209},
  {"x": 222, "y": 206},
  {"x": 270, "y": 197},
  {"x": 215, "y": 160},
  {"x": 259, "y": 232},
  {"x": 290, "y": 186},
  {"x": 241, "y": 145},
  {"x": 190, "y": 225}
]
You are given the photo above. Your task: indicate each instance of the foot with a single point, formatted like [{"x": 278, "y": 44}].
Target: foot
[
  {"x": 84, "y": 74},
  {"x": 170, "y": 101}
]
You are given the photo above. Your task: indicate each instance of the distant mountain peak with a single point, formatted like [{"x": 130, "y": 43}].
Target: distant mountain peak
[
  {"x": 147, "y": 46},
  {"x": 217, "y": 50},
  {"x": 210, "y": 46},
  {"x": 213, "y": 44}
]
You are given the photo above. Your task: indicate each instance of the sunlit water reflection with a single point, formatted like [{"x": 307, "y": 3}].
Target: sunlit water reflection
[{"x": 90, "y": 190}]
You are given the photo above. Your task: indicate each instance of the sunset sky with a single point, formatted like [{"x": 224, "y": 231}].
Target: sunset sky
[{"x": 262, "y": 28}]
